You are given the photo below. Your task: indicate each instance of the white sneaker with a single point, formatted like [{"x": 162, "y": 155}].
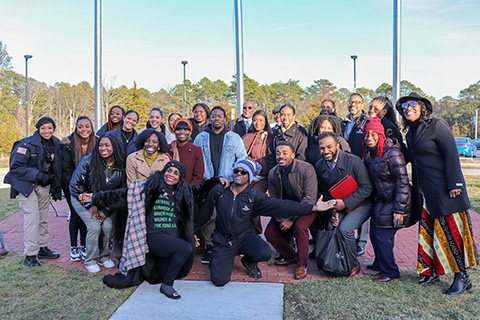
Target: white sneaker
[
  {"x": 83, "y": 252},
  {"x": 107, "y": 264},
  {"x": 74, "y": 254},
  {"x": 94, "y": 268}
]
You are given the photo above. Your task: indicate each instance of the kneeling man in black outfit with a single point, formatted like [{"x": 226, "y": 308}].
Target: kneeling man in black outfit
[{"x": 235, "y": 233}]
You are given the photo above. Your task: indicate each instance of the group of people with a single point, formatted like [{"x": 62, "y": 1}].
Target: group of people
[{"x": 145, "y": 197}]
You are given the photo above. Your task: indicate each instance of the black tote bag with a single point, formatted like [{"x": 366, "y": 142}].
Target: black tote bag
[{"x": 330, "y": 252}]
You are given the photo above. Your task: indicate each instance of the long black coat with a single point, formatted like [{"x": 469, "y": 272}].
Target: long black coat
[
  {"x": 436, "y": 169},
  {"x": 392, "y": 191}
]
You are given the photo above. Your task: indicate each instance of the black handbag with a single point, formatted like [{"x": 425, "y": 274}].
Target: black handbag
[{"x": 331, "y": 253}]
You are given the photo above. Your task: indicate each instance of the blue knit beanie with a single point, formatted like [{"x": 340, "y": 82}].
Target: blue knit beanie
[{"x": 252, "y": 167}]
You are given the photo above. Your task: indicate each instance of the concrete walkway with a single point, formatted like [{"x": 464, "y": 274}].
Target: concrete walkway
[{"x": 202, "y": 300}]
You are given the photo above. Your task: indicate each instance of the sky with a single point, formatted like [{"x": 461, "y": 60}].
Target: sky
[{"x": 306, "y": 40}]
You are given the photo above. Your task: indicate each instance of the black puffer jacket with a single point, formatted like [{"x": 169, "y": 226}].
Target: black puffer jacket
[{"x": 392, "y": 191}]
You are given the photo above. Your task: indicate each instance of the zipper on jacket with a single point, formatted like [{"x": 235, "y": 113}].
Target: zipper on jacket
[
  {"x": 108, "y": 174},
  {"x": 231, "y": 218}
]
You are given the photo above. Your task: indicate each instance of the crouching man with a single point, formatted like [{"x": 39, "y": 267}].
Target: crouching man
[{"x": 235, "y": 233}]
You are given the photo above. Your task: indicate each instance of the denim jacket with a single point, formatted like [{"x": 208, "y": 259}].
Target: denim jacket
[{"x": 233, "y": 150}]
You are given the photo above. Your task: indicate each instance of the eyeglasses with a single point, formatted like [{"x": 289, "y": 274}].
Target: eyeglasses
[
  {"x": 242, "y": 172},
  {"x": 412, "y": 104}
]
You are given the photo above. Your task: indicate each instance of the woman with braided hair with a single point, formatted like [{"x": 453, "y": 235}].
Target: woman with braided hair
[
  {"x": 391, "y": 195},
  {"x": 160, "y": 222},
  {"x": 324, "y": 123},
  {"x": 103, "y": 169},
  {"x": 74, "y": 147},
  {"x": 115, "y": 120}
]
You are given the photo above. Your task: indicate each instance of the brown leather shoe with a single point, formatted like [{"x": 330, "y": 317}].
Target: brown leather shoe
[
  {"x": 384, "y": 278},
  {"x": 300, "y": 272},
  {"x": 285, "y": 262},
  {"x": 355, "y": 271}
]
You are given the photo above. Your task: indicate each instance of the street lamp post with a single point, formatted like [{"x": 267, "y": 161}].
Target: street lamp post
[
  {"x": 354, "y": 73},
  {"x": 27, "y": 56},
  {"x": 184, "y": 62}
]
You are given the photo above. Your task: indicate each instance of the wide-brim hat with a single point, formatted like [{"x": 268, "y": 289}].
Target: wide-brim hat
[{"x": 415, "y": 97}]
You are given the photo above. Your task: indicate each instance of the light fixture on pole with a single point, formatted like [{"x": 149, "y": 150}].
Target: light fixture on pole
[
  {"x": 184, "y": 62},
  {"x": 354, "y": 73},
  {"x": 27, "y": 56}
]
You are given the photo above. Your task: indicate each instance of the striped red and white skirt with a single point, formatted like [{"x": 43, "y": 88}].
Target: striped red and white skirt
[{"x": 446, "y": 245}]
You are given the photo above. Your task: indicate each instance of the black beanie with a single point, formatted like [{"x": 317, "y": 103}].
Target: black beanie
[
  {"x": 180, "y": 166},
  {"x": 44, "y": 120}
]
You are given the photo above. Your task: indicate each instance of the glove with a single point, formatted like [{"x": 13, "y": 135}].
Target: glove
[{"x": 43, "y": 179}]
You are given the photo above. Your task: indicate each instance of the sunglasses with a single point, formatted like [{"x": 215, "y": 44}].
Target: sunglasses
[
  {"x": 412, "y": 104},
  {"x": 248, "y": 108},
  {"x": 242, "y": 172}
]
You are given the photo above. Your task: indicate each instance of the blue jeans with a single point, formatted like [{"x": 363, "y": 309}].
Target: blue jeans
[{"x": 98, "y": 235}]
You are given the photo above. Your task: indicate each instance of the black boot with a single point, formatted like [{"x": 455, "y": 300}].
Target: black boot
[
  {"x": 460, "y": 283},
  {"x": 429, "y": 280}
]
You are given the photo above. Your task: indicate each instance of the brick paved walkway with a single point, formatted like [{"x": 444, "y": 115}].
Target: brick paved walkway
[{"x": 405, "y": 251}]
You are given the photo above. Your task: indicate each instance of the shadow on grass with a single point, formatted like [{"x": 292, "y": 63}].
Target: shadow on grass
[
  {"x": 361, "y": 298},
  {"x": 53, "y": 292}
]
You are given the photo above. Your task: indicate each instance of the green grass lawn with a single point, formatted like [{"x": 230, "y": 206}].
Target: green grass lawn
[
  {"x": 361, "y": 298},
  {"x": 53, "y": 292},
  {"x": 7, "y": 206}
]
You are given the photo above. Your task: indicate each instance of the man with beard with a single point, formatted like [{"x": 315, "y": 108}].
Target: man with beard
[
  {"x": 294, "y": 180},
  {"x": 242, "y": 124},
  {"x": 221, "y": 149},
  {"x": 289, "y": 131},
  {"x": 187, "y": 153},
  {"x": 333, "y": 167},
  {"x": 354, "y": 123},
  {"x": 235, "y": 234}
]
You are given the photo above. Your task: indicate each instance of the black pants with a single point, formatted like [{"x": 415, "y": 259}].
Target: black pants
[
  {"x": 223, "y": 254},
  {"x": 75, "y": 224},
  {"x": 165, "y": 246}
]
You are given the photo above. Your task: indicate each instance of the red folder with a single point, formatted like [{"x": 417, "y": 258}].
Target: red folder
[{"x": 343, "y": 188}]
